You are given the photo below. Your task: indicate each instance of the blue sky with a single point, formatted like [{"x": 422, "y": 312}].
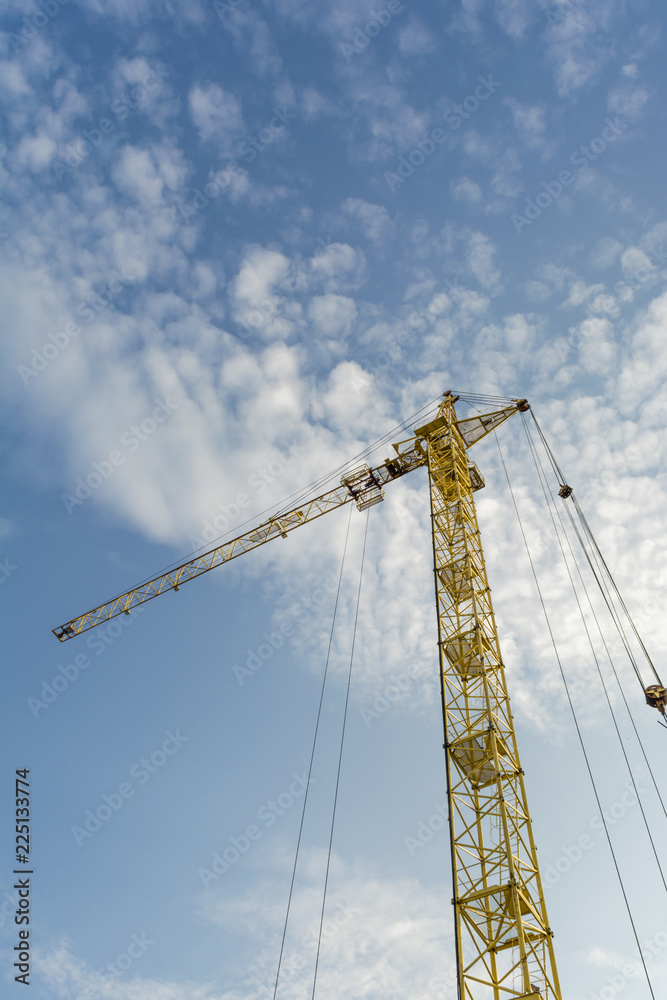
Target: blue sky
[{"x": 241, "y": 241}]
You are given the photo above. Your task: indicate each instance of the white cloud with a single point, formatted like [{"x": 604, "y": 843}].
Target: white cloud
[
  {"x": 479, "y": 147},
  {"x": 481, "y": 258},
  {"x": 644, "y": 373},
  {"x": 538, "y": 291},
  {"x": 383, "y": 123},
  {"x": 605, "y": 252},
  {"x": 468, "y": 18},
  {"x": 8, "y": 528},
  {"x": 332, "y": 314},
  {"x": 415, "y": 39},
  {"x": 373, "y": 220},
  {"x": 13, "y": 81},
  {"x": 580, "y": 292},
  {"x": 216, "y": 113},
  {"x": 136, "y": 174},
  {"x": 514, "y": 17},
  {"x": 634, "y": 261},
  {"x": 628, "y": 101},
  {"x": 465, "y": 189},
  {"x": 505, "y": 181},
  {"x": 315, "y": 105},
  {"x": 259, "y": 272},
  {"x": 35, "y": 152},
  {"x": 67, "y": 976},
  {"x": 382, "y": 935},
  {"x": 581, "y": 44},
  {"x": 528, "y": 122},
  {"x": 252, "y": 36}
]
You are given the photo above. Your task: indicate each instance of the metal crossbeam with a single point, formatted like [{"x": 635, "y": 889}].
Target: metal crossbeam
[
  {"x": 503, "y": 940},
  {"x": 501, "y": 920}
]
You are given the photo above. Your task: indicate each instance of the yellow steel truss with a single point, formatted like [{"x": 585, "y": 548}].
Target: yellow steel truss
[
  {"x": 503, "y": 939},
  {"x": 363, "y": 485}
]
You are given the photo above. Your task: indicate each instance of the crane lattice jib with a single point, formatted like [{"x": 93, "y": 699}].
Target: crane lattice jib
[
  {"x": 503, "y": 940},
  {"x": 364, "y": 486},
  {"x": 504, "y": 944}
]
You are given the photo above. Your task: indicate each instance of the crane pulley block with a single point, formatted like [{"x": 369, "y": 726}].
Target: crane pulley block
[{"x": 656, "y": 697}]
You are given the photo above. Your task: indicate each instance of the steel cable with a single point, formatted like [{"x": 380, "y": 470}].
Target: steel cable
[
  {"x": 312, "y": 756},
  {"x": 542, "y": 478},
  {"x": 340, "y": 759},
  {"x": 576, "y": 721}
]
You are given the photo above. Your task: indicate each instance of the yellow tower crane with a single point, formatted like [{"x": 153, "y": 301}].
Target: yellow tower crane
[{"x": 504, "y": 943}]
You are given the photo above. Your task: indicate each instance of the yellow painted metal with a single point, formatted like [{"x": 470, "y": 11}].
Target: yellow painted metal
[
  {"x": 362, "y": 485},
  {"x": 503, "y": 941}
]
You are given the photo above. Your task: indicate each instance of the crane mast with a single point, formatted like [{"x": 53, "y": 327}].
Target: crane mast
[
  {"x": 503, "y": 939},
  {"x": 504, "y": 944}
]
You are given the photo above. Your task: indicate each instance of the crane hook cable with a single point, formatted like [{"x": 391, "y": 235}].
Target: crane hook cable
[
  {"x": 576, "y": 721},
  {"x": 622, "y": 634},
  {"x": 596, "y": 548},
  {"x": 612, "y": 611},
  {"x": 598, "y": 573},
  {"x": 312, "y": 755},
  {"x": 340, "y": 755},
  {"x": 550, "y": 504}
]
